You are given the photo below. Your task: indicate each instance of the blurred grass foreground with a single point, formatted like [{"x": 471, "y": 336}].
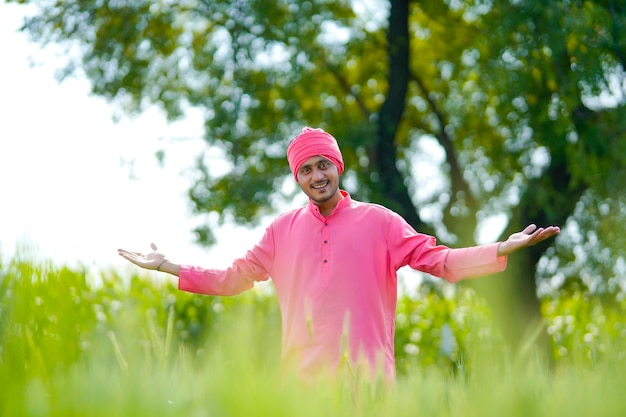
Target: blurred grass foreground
[{"x": 131, "y": 346}]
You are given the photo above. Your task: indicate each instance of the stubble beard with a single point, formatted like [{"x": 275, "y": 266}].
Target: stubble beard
[{"x": 324, "y": 199}]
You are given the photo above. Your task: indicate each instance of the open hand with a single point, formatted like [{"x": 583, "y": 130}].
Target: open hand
[
  {"x": 151, "y": 260},
  {"x": 530, "y": 236}
]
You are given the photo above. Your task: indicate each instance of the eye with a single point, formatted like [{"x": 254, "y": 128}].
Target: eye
[{"x": 325, "y": 165}]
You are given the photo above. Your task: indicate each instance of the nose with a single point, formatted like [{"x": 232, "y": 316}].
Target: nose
[{"x": 317, "y": 174}]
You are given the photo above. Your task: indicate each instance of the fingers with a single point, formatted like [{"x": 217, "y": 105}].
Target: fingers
[
  {"x": 121, "y": 251},
  {"x": 542, "y": 234},
  {"x": 124, "y": 253},
  {"x": 549, "y": 232},
  {"x": 148, "y": 260},
  {"x": 135, "y": 257},
  {"x": 130, "y": 256},
  {"x": 529, "y": 229}
]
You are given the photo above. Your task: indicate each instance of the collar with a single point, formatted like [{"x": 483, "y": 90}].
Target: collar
[{"x": 346, "y": 201}]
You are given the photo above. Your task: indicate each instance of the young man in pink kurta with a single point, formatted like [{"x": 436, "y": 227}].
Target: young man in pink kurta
[{"x": 334, "y": 265}]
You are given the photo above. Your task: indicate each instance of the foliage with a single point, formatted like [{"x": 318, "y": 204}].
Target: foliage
[
  {"x": 508, "y": 90},
  {"x": 71, "y": 344},
  {"x": 583, "y": 327},
  {"x": 436, "y": 327},
  {"x": 512, "y": 93},
  {"x": 590, "y": 259},
  {"x": 73, "y": 318}
]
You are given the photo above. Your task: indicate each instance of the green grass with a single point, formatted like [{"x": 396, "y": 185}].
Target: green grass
[{"x": 131, "y": 347}]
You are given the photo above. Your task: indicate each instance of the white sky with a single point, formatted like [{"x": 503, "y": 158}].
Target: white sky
[{"x": 65, "y": 191}]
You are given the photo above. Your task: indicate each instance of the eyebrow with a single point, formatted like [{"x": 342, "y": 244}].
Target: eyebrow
[{"x": 320, "y": 160}]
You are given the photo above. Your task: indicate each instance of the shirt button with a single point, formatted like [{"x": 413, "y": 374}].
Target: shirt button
[
  {"x": 325, "y": 241},
  {"x": 325, "y": 260}
]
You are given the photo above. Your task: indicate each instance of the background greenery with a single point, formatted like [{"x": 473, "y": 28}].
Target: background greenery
[
  {"x": 74, "y": 344},
  {"x": 449, "y": 112}
]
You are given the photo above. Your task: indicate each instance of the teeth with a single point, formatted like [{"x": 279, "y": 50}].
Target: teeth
[{"x": 318, "y": 186}]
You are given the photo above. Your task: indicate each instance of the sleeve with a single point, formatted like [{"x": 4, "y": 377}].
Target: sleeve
[
  {"x": 421, "y": 252},
  {"x": 475, "y": 261},
  {"x": 254, "y": 266}
]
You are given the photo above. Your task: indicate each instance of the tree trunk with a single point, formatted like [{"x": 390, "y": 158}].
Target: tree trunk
[
  {"x": 513, "y": 295},
  {"x": 390, "y": 187}
]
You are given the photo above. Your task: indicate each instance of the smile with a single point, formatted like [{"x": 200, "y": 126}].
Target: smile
[{"x": 320, "y": 185}]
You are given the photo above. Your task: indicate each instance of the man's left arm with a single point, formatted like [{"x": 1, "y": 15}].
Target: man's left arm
[{"x": 477, "y": 261}]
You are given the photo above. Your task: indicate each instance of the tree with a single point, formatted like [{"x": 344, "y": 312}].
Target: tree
[
  {"x": 547, "y": 65},
  {"x": 500, "y": 87}
]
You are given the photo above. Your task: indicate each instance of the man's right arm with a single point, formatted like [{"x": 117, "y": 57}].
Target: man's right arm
[{"x": 240, "y": 276}]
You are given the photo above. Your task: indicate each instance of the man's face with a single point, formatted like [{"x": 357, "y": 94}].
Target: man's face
[{"x": 319, "y": 179}]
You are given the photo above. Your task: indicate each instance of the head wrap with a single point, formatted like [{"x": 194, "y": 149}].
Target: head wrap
[{"x": 312, "y": 142}]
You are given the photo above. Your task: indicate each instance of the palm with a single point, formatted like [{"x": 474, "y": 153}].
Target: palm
[
  {"x": 530, "y": 236},
  {"x": 149, "y": 260}
]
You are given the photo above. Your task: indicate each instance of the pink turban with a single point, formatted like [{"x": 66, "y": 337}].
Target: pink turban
[{"x": 312, "y": 142}]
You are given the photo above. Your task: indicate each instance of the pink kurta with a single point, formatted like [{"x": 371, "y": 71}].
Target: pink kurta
[{"x": 336, "y": 280}]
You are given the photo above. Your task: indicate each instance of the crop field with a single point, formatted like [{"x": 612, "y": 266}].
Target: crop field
[{"x": 72, "y": 344}]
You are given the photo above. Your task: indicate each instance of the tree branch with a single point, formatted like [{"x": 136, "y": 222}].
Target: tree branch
[
  {"x": 458, "y": 183},
  {"x": 343, "y": 83},
  {"x": 617, "y": 33}
]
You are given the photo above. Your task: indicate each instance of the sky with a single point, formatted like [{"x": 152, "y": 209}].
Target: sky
[{"x": 75, "y": 184}]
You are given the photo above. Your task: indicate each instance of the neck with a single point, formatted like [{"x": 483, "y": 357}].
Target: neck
[{"x": 326, "y": 207}]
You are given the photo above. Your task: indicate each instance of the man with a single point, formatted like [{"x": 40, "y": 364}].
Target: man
[{"x": 333, "y": 263}]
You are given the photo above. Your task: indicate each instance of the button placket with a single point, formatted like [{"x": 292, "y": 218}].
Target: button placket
[{"x": 325, "y": 255}]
